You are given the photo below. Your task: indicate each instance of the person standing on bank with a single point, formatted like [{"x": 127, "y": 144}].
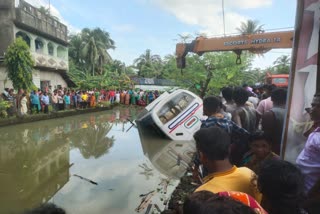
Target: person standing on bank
[
  {"x": 213, "y": 149},
  {"x": 45, "y": 101},
  {"x": 309, "y": 159}
]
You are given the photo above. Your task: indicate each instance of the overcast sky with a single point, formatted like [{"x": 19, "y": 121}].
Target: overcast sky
[{"x": 137, "y": 25}]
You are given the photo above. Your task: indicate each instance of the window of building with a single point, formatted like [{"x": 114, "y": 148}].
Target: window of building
[
  {"x": 39, "y": 45},
  {"x": 61, "y": 52},
  {"x": 24, "y": 36},
  {"x": 50, "y": 49}
]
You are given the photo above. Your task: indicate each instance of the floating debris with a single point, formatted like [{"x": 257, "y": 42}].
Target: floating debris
[
  {"x": 145, "y": 202},
  {"x": 86, "y": 179},
  {"x": 157, "y": 207},
  {"x": 144, "y": 195},
  {"x": 164, "y": 183},
  {"x": 145, "y": 167},
  {"x": 148, "y": 208},
  {"x": 165, "y": 202}
]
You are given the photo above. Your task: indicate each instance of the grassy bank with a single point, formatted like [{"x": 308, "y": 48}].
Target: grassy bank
[{"x": 52, "y": 115}]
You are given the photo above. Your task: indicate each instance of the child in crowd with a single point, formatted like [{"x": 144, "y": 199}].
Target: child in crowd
[{"x": 260, "y": 145}]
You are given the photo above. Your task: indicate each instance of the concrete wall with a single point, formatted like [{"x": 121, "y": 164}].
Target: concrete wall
[
  {"x": 4, "y": 82},
  {"x": 7, "y": 14},
  {"x": 57, "y": 60},
  {"x": 29, "y": 16},
  {"x": 54, "y": 77}
]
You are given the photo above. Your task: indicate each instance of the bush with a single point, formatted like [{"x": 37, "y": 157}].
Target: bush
[{"x": 4, "y": 105}]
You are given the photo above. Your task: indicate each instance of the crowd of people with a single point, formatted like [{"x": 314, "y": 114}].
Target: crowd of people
[
  {"x": 237, "y": 165},
  {"x": 36, "y": 101}
]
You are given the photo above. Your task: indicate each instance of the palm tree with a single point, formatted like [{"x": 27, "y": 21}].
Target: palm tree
[
  {"x": 148, "y": 64},
  {"x": 93, "y": 141},
  {"x": 185, "y": 38},
  {"x": 46, "y": 11},
  {"x": 75, "y": 47},
  {"x": 250, "y": 27},
  {"x": 282, "y": 64},
  {"x": 95, "y": 45},
  {"x": 254, "y": 76}
]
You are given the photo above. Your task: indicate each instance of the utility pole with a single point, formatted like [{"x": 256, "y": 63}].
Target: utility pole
[{"x": 224, "y": 25}]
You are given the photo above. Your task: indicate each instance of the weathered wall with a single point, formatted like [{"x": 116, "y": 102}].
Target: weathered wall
[
  {"x": 4, "y": 82},
  {"x": 54, "y": 77},
  {"x": 7, "y": 14}
]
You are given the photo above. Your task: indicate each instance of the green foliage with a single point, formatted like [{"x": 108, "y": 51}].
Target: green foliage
[
  {"x": 88, "y": 49},
  {"x": 281, "y": 65},
  {"x": 254, "y": 76},
  {"x": 109, "y": 79},
  {"x": 19, "y": 64},
  {"x": 250, "y": 27},
  {"x": 149, "y": 65},
  {"x": 208, "y": 73},
  {"x": 4, "y": 105}
]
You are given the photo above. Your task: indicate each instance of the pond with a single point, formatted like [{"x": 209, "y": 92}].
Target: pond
[{"x": 92, "y": 163}]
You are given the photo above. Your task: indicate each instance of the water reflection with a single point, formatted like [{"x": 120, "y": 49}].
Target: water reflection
[
  {"x": 171, "y": 158},
  {"x": 92, "y": 140},
  {"x": 38, "y": 159},
  {"x": 31, "y": 172},
  {"x": 34, "y": 157}
]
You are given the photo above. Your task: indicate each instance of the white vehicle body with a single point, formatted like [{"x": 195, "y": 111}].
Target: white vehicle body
[{"x": 177, "y": 115}]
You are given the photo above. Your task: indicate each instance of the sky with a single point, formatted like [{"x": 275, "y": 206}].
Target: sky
[{"x": 138, "y": 25}]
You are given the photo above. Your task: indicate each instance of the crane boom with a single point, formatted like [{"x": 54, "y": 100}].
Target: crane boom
[{"x": 250, "y": 42}]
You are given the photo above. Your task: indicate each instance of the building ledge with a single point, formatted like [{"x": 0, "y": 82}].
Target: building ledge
[{"x": 48, "y": 61}]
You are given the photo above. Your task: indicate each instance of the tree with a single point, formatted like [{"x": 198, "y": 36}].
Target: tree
[
  {"x": 185, "y": 37},
  {"x": 117, "y": 66},
  {"x": 148, "y": 65},
  {"x": 46, "y": 11},
  {"x": 208, "y": 73},
  {"x": 250, "y": 27},
  {"x": 89, "y": 49},
  {"x": 282, "y": 65},
  {"x": 19, "y": 64},
  {"x": 253, "y": 76},
  {"x": 93, "y": 141},
  {"x": 75, "y": 47}
]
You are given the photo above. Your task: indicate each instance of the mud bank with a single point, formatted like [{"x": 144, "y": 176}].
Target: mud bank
[{"x": 185, "y": 188}]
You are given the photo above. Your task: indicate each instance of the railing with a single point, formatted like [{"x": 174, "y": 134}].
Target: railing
[{"x": 32, "y": 17}]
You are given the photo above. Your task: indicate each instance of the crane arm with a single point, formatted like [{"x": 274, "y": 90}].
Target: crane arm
[{"x": 250, "y": 42}]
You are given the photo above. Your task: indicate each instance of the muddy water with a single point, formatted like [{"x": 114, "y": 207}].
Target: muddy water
[{"x": 93, "y": 163}]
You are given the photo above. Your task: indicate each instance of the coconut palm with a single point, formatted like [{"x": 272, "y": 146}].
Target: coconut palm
[
  {"x": 250, "y": 27},
  {"x": 95, "y": 45},
  {"x": 282, "y": 64},
  {"x": 148, "y": 64},
  {"x": 75, "y": 46},
  {"x": 92, "y": 141},
  {"x": 46, "y": 11}
]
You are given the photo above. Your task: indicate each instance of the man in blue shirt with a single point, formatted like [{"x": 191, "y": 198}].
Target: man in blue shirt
[
  {"x": 239, "y": 136},
  {"x": 212, "y": 108}
]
